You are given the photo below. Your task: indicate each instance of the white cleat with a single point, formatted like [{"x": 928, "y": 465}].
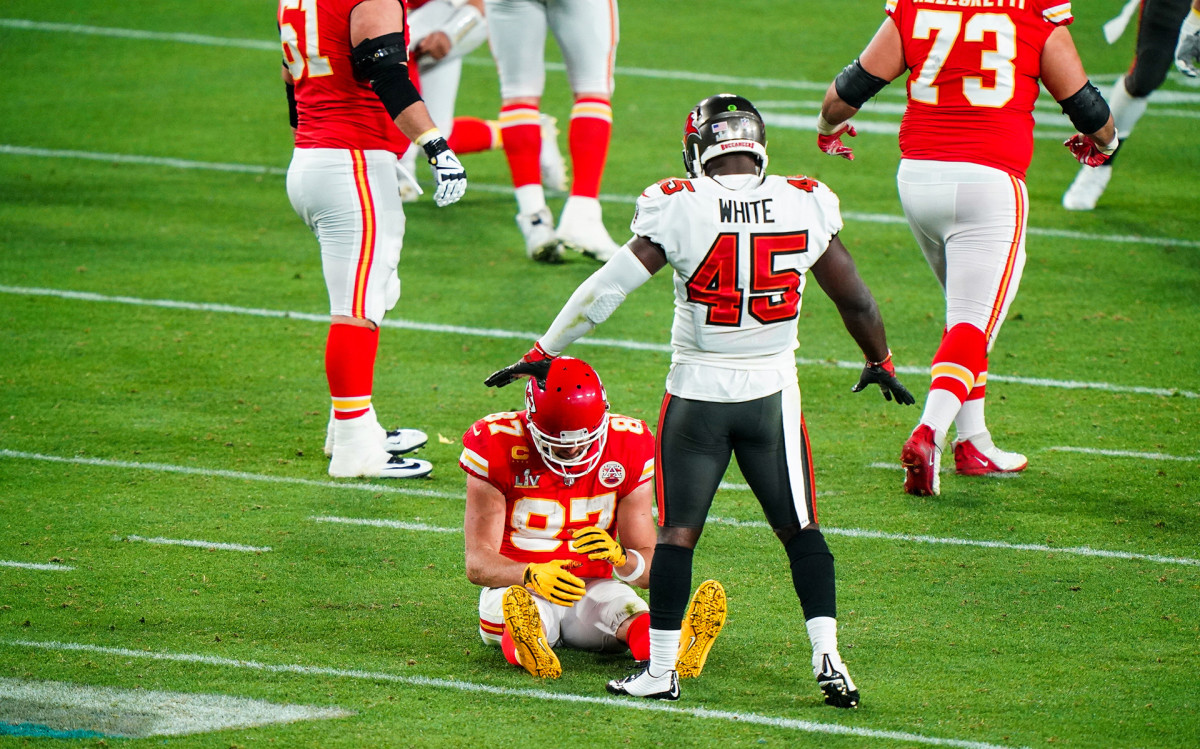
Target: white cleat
[
  {"x": 553, "y": 167},
  {"x": 580, "y": 228},
  {"x": 642, "y": 684},
  {"x": 1089, "y": 185},
  {"x": 401, "y": 441},
  {"x": 541, "y": 243},
  {"x": 359, "y": 448}
]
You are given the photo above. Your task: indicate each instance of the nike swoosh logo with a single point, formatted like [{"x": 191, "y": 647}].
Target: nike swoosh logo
[{"x": 982, "y": 462}]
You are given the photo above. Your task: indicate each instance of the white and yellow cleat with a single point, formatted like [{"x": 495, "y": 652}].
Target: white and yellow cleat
[
  {"x": 703, "y": 623},
  {"x": 525, "y": 626}
]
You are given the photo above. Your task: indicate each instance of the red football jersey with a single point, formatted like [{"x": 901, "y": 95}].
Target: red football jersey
[
  {"x": 543, "y": 509},
  {"x": 973, "y": 77},
  {"x": 336, "y": 110}
]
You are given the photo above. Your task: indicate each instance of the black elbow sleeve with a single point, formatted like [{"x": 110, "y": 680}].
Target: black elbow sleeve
[
  {"x": 383, "y": 62},
  {"x": 856, "y": 86},
  {"x": 1087, "y": 109}
]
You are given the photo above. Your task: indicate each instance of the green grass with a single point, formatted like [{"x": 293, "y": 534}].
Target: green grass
[{"x": 128, "y": 419}]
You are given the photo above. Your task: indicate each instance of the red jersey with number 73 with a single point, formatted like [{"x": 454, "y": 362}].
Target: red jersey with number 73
[
  {"x": 543, "y": 509},
  {"x": 974, "y": 69},
  {"x": 336, "y": 110}
]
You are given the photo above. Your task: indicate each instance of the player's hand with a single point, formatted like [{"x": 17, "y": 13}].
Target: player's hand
[
  {"x": 551, "y": 581},
  {"x": 598, "y": 545},
  {"x": 832, "y": 143},
  {"x": 535, "y": 364},
  {"x": 1187, "y": 51},
  {"x": 883, "y": 374},
  {"x": 449, "y": 177},
  {"x": 1086, "y": 152}
]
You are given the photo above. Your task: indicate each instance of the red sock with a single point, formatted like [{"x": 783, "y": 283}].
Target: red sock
[
  {"x": 638, "y": 637},
  {"x": 509, "y": 648},
  {"x": 471, "y": 135},
  {"x": 588, "y": 137},
  {"x": 959, "y": 360},
  {"x": 350, "y": 368},
  {"x": 521, "y": 133}
]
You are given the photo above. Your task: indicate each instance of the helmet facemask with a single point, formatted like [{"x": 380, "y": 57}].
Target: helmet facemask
[{"x": 568, "y": 413}]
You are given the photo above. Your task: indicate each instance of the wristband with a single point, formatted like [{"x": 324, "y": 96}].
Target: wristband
[
  {"x": 637, "y": 571},
  {"x": 427, "y": 136},
  {"x": 885, "y": 360},
  {"x": 823, "y": 126}
]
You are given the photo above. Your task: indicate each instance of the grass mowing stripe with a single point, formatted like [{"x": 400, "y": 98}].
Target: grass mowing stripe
[
  {"x": 378, "y": 523},
  {"x": 217, "y": 473},
  {"x": 536, "y": 694},
  {"x": 36, "y": 566},
  {"x": 195, "y": 543},
  {"x": 875, "y": 218},
  {"x": 529, "y": 336},
  {"x": 852, "y": 532}
]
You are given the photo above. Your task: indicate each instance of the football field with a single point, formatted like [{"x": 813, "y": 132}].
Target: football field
[{"x": 176, "y": 564}]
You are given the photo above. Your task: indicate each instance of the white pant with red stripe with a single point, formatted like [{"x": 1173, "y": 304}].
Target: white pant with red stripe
[
  {"x": 586, "y": 32},
  {"x": 970, "y": 222},
  {"x": 350, "y": 201},
  {"x": 591, "y": 624}
]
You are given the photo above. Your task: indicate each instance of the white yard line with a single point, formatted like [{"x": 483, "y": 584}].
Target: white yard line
[
  {"x": 874, "y": 218},
  {"x": 384, "y": 523},
  {"x": 198, "y": 544},
  {"x": 1125, "y": 454},
  {"x": 36, "y": 566},
  {"x": 804, "y": 726},
  {"x": 529, "y": 336}
]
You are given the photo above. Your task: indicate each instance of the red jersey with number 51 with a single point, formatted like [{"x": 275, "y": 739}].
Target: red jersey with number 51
[
  {"x": 336, "y": 110},
  {"x": 543, "y": 509},
  {"x": 973, "y": 77}
]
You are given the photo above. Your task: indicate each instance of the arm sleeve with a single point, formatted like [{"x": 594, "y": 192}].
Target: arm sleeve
[{"x": 594, "y": 300}]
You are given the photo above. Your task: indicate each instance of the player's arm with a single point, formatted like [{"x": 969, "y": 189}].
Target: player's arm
[
  {"x": 638, "y": 533},
  {"x": 838, "y": 277},
  {"x": 378, "y": 55},
  {"x": 483, "y": 526},
  {"x": 878, "y": 65},
  {"x": 463, "y": 31},
  {"x": 289, "y": 87},
  {"x": 590, "y": 304},
  {"x": 1064, "y": 78}
]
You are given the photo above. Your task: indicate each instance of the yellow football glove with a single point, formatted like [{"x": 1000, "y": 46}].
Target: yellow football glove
[
  {"x": 550, "y": 581},
  {"x": 597, "y": 544}
]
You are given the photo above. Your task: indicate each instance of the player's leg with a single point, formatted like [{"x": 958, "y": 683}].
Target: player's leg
[
  {"x": 1158, "y": 30},
  {"x": 772, "y": 449},
  {"x": 609, "y": 618},
  {"x": 692, "y": 453},
  {"x": 517, "y": 35},
  {"x": 350, "y": 200},
  {"x": 587, "y": 32}
]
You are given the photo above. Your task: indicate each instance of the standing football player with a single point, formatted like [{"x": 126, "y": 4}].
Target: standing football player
[
  {"x": 559, "y": 500},
  {"x": 966, "y": 140},
  {"x": 441, "y": 32},
  {"x": 1159, "y": 27},
  {"x": 354, "y": 110},
  {"x": 740, "y": 243},
  {"x": 586, "y": 32}
]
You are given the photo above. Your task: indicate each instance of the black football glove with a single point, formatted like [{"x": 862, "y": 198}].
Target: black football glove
[
  {"x": 535, "y": 364},
  {"x": 883, "y": 374}
]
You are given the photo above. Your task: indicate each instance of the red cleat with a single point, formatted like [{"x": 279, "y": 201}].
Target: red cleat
[
  {"x": 979, "y": 456},
  {"x": 921, "y": 457}
]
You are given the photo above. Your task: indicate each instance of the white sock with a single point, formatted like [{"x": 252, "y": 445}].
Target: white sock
[
  {"x": 530, "y": 199},
  {"x": 1126, "y": 110},
  {"x": 969, "y": 421},
  {"x": 941, "y": 406},
  {"x": 822, "y": 631},
  {"x": 664, "y": 649}
]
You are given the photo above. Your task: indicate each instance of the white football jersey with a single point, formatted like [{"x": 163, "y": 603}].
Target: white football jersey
[{"x": 740, "y": 248}]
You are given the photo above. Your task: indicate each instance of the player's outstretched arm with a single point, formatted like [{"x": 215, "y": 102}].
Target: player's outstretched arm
[{"x": 839, "y": 279}]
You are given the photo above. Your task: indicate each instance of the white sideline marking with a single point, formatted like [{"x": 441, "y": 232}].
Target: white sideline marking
[
  {"x": 380, "y": 523},
  {"x": 138, "y": 713},
  {"x": 806, "y": 726},
  {"x": 1077, "y": 550},
  {"x": 168, "y": 468},
  {"x": 192, "y": 542},
  {"x": 36, "y": 566},
  {"x": 529, "y": 336},
  {"x": 874, "y": 218},
  {"x": 1123, "y": 453}
]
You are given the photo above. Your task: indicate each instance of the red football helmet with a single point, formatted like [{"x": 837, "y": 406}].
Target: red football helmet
[{"x": 568, "y": 417}]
